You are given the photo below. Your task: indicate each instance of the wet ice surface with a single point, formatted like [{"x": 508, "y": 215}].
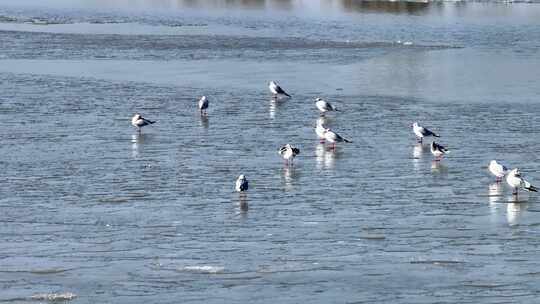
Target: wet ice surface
[{"x": 94, "y": 212}]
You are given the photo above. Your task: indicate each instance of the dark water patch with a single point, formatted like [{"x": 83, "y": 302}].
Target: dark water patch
[{"x": 29, "y": 45}]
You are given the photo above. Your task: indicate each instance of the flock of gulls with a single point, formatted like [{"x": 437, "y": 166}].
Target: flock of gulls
[{"x": 289, "y": 152}]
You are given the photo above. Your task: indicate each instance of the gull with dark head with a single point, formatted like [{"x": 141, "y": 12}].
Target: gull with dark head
[
  {"x": 138, "y": 121},
  {"x": 516, "y": 181},
  {"x": 332, "y": 137},
  {"x": 438, "y": 151},
  {"x": 203, "y": 104},
  {"x": 324, "y": 106},
  {"x": 288, "y": 153},
  {"x": 498, "y": 170},
  {"x": 276, "y": 90},
  {"x": 242, "y": 184},
  {"x": 422, "y": 132}
]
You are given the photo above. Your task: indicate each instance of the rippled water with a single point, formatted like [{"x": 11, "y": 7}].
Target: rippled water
[{"x": 93, "y": 212}]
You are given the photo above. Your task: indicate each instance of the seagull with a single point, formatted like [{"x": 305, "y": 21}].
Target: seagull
[
  {"x": 288, "y": 152},
  {"x": 320, "y": 130},
  {"x": 276, "y": 89},
  {"x": 324, "y": 106},
  {"x": 241, "y": 184},
  {"x": 138, "y": 122},
  {"x": 497, "y": 169},
  {"x": 438, "y": 151},
  {"x": 333, "y": 137},
  {"x": 422, "y": 132},
  {"x": 515, "y": 181},
  {"x": 203, "y": 104}
]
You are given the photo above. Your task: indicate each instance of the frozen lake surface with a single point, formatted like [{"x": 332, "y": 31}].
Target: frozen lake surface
[{"x": 93, "y": 212}]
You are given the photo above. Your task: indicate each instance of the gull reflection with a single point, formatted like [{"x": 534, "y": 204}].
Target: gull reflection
[
  {"x": 137, "y": 140},
  {"x": 495, "y": 193},
  {"x": 418, "y": 151},
  {"x": 274, "y": 104},
  {"x": 243, "y": 203},
  {"x": 513, "y": 212},
  {"x": 204, "y": 121},
  {"x": 438, "y": 168},
  {"x": 322, "y": 120},
  {"x": 289, "y": 175},
  {"x": 330, "y": 158},
  {"x": 319, "y": 155},
  {"x": 326, "y": 157}
]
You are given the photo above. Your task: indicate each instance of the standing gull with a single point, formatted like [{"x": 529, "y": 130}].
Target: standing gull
[
  {"x": 241, "y": 184},
  {"x": 438, "y": 151},
  {"x": 333, "y": 137},
  {"x": 324, "y": 106},
  {"x": 497, "y": 169},
  {"x": 138, "y": 122},
  {"x": 320, "y": 130},
  {"x": 515, "y": 181},
  {"x": 288, "y": 153},
  {"x": 276, "y": 89},
  {"x": 203, "y": 104},
  {"x": 422, "y": 132}
]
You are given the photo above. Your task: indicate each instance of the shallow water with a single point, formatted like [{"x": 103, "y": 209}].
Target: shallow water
[{"x": 93, "y": 212}]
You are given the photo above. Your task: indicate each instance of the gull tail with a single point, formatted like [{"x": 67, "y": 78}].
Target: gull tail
[
  {"x": 347, "y": 141},
  {"x": 530, "y": 187},
  {"x": 436, "y": 135},
  {"x": 285, "y": 93}
]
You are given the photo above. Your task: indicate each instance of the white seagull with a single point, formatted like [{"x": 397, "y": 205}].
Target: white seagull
[
  {"x": 422, "y": 132},
  {"x": 276, "y": 89},
  {"x": 324, "y": 106},
  {"x": 333, "y": 137},
  {"x": 438, "y": 151},
  {"x": 288, "y": 153},
  {"x": 497, "y": 169},
  {"x": 138, "y": 122},
  {"x": 203, "y": 104},
  {"x": 241, "y": 184},
  {"x": 320, "y": 130},
  {"x": 515, "y": 181}
]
